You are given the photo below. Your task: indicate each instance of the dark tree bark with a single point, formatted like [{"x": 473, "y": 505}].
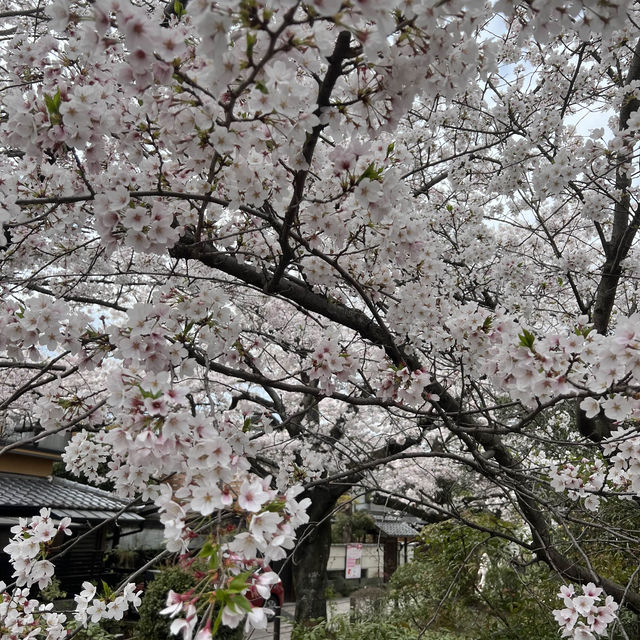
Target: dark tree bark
[{"x": 311, "y": 557}]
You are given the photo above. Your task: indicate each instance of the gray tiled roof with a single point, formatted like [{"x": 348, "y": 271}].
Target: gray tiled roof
[
  {"x": 61, "y": 495},
  {"x": 395, "y": 528}
]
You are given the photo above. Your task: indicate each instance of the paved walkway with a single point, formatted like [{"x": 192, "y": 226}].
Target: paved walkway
[{"x": 340, "y": 605}]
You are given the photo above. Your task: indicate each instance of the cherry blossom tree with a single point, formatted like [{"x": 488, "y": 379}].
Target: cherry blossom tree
[{"x": 258, "y": 253}]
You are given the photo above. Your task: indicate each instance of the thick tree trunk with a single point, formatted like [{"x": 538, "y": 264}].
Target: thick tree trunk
[
  {"x": 311, "y": 557},
  {"x": 310, "y": 571}
]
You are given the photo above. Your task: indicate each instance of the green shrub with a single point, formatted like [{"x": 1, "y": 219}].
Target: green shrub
[
  {"x": 441, "y": 581},
  {"x": 153, "y": 626},
  {"x": 382, "y": 627},
  {"x": 52, "y": 591},
  {"x": 368, "y": 603},
  {"x": 339, "y": 628}
]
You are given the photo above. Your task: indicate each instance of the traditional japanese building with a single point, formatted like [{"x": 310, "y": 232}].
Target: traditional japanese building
[{"x": 98, "y": 519}]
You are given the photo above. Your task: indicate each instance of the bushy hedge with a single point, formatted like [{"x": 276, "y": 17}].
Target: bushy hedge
[
  {"x": 378, "y": 628},
  {"x": 341, "y": 629},
  {"x": 440, "y": 588}
]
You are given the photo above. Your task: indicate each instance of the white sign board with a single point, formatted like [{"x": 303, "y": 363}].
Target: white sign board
[{"x": 353, "y": 562}]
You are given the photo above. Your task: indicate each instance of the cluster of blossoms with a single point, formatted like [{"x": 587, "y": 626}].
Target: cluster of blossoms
[
  {"x": 583, "y": 618},
  {"x": 620, "y": 474},
  {"x": 42, "y": 323},
  {"x": 157, "y": 439},
  {"x": 407, "y": 387},
  {"x": 331, "y": 362},
  {"x": 24, "y": 617},
  {"x": 536, "y": 370},
  {"x": 623, "y": 452},
  {"x": 145, "y": 229},
  {"x": 142, "y": 341},
  {"x": 84, "y": 455},
  {"x": 232, "y": 604},
  {"x": 551, "y": 179},
  {"x": 30, "y": 543},
  {"x": 148, "y": 338},
  {"x": 112, "y": 607},
  {"x": 580, "y": 480}
]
